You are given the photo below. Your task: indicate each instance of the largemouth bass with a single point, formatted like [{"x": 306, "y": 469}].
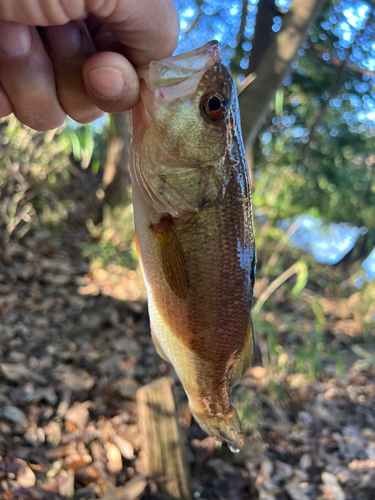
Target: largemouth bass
[{"x": 194, "y": 227}]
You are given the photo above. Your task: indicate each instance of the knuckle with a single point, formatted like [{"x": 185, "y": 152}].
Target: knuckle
[
  {"x": 86, "y": 117},
  {"x": 69, "y": 10},
  {"x": 43, "y": 123}
]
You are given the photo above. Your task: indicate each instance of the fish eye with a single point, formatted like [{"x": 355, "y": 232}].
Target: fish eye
[
  {"x": 214, "y": 106},
  {"x": 214, "y": 103}
]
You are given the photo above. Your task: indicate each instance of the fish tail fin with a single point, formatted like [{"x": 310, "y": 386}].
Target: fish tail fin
[{"x": 226, "y": 427}]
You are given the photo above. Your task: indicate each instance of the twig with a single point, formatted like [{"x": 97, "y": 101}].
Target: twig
[
  {"x": 343, "y": 70},
  {"x": 273, "y": 286}
]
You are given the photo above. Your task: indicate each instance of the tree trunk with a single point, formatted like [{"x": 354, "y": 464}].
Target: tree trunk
[
  {"x": 263, "y": 33},
  {"x": 274, "y": 66},
  {"x": 116, "y": 177}
]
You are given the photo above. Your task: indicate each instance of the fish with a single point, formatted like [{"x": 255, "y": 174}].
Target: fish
[{"x": 194, "y": 229}]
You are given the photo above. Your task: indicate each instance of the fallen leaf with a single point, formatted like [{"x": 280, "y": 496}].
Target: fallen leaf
[
  {"x": 114, "y": 460},
  {"x": 132, "y": 490},
  {"x": 56, "y": 279},
  {"x": 13, "y": 414},
  {"x": 35, "y": 493},
  {"x": 87, "y": 475},
  {"x": 266, "y": 467},
  {"x": 332, "y": 487},
  {"x": 297, "y": 490},
  {"x": 283, "y": 470},
  {"x": 55, "y": 469},
  {"x": 135, "y": 487},
  {"x": 126, "y": 448},
  {"x": 65, "y": 482},
  {"x": 74, "y": 378},
  {"x": 14, "y": 372},
  {"x": 53, "y": 433},
  {"x": 305, "y": 461},
  {"x": 78, "y": 414},
  {"x": 25, "y": 476}
]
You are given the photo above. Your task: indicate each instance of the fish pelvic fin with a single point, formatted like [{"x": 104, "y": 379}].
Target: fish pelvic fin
[
  {"x": 238, "y": 370},
  {"x": 157, "y": 345},
  {"x": 171, "y": 256},
  {"x": 225, "y": 428}
]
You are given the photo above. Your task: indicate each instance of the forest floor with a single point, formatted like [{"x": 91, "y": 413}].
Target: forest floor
[{"x": 72, "y": 356}]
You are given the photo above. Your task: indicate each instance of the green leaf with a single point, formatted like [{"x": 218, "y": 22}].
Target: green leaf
[
  {"x": 364, "y": 354},
  {"x": 279, "y": 101},
  {"x": 75, "y": 144},
  {"x": 302, "y": 277}
]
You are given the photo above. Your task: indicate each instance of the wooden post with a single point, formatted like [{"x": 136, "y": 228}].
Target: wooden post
[{"x": 163, "y": 453}]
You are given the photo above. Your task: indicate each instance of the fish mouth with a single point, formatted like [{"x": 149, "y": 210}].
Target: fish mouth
[
  {"x": 181, "y": 72},
  {"x": 226, "y": 428}
]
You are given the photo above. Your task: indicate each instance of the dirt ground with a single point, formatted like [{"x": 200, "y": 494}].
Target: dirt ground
[{"x": 72, "y": 357}]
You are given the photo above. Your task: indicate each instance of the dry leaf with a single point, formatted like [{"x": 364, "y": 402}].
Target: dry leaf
[
  {"x": 87, "y": 475},
  {"x": 13, "y": 414},
  {"x": 78, "y": 414},
  {"x": 65, "y": 481},
  {"x": 25, "y": 476},
  {"x": 114, "y": 460},
  {"x": 332, "y": 487},
  {"x": 126, "y": 448}
]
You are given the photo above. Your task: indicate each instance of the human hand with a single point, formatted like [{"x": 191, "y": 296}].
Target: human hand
[{"x": 80, "y": 60}]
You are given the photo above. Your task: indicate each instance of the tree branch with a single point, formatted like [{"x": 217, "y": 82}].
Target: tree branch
[
  {"x": 263, "y": 33},
  {"x": 341, "y": 74},
  {"x": 343, "y": 70},
  {"x": 274, "y": 66},
  {"x": 320, "y": 51}
]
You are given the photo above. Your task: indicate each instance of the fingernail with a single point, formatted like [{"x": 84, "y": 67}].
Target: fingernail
[
  {"x": 64, "y": 41},
  {"x": 15, "y": 39},
  {"x": 107, "y": 82}
]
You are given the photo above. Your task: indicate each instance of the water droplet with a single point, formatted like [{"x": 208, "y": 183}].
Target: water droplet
[
  {"x": 197, "y": 495},
  {"x": 233, "y": 449}
]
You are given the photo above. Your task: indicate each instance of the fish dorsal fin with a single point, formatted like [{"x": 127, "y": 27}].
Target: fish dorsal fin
[{"x": 172, "y": 257}]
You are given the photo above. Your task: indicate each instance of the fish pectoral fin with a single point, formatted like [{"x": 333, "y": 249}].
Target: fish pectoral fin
[
  {"x": 171, "y": 256},
  {"x": 157, "y": 345},
  {"x": 238, "y": 370}
]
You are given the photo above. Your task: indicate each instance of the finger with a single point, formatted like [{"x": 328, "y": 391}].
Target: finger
[
  {"x": 111, "y": 82},
  {"x": 5, "y": 105},
  {"x": 69, "y": 47},
  {"x": 102, "y": 37},
  {"x": 26, "y": 74},
  {"x": 148, "y": 29},
  {"x": 43, "y": 12}
]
